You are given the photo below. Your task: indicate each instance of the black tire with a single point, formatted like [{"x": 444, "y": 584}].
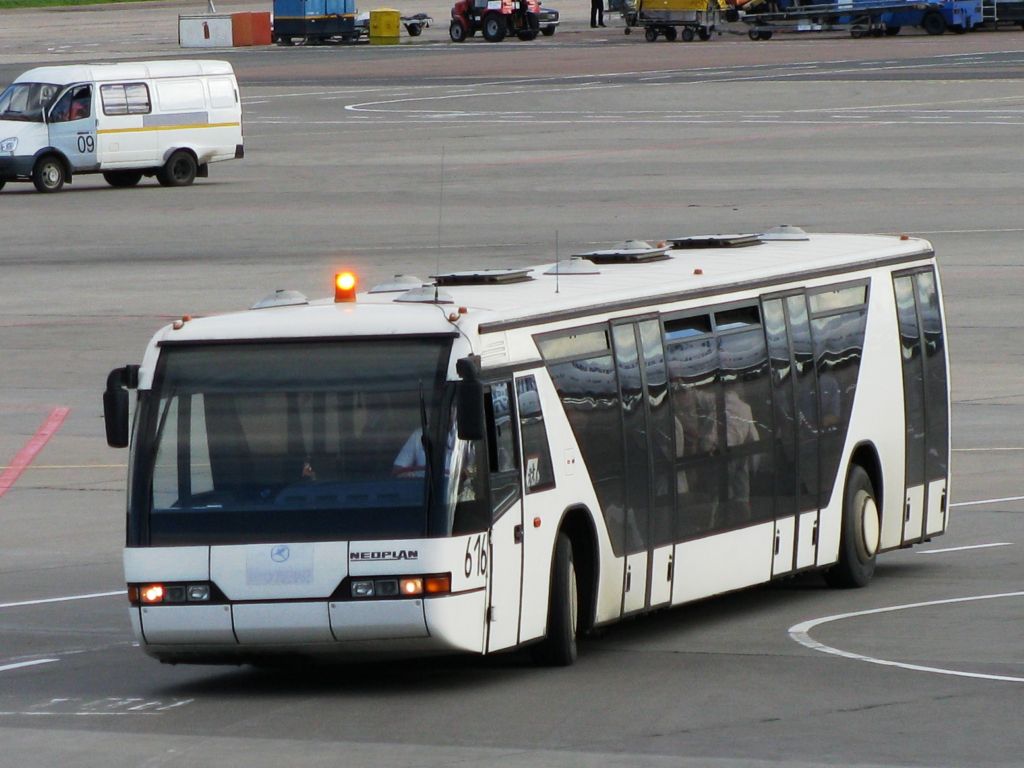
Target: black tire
[
  {"x": 495, "y": 27},
  {"x": 933, "y": 23},
  {"x": 892, "y": 31},
  {"x": 753, "y": 34},
  {"x": 49, "y": 174},
  {"x": 457, "y": 32},
  {"x": 650, "y": 34},
  {"x": 958, "y": 29},
  {"x": 179, "y": 170},
  {"x": 558, "y": 649},
  {"x": 122, "y": 178},
  {"x": 687, "y": 34},
  {"x": 670, "y": 34},
  {"x": 414, "y": 30},
  {"x": 548, "y": 31},
  {"x": 858, "y": 542},
  {"x": 765, "y": 35},
  {"x": 856, "y": 33},
  {"x": 527, "y": 35},
  {"x": 704, "y": 34}
]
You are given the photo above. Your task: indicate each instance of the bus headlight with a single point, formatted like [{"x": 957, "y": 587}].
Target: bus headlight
[
  {"x": 401, "y": 586},
  {"x": 170, "y": 594},
  {"x": 9, "y": 145}
]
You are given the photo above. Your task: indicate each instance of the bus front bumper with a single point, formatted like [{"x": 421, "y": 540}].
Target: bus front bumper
[{"x": 240, "y": 632}]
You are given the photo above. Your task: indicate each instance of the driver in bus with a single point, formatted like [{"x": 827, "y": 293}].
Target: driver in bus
[{"x": 411, "y": 461}]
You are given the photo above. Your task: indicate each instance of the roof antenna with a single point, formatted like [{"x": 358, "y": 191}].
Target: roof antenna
[
  {"x": 440, "y": 215},
  {"x": 558, "y": 263}
]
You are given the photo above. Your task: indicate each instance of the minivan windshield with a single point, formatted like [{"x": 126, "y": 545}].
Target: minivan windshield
[
  {"x": 27, "y": 101},
  {"x": 299, "y": 441}
]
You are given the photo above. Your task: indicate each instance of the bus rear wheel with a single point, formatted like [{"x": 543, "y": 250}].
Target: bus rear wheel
[
  {"x": 858, "y": 542},
  {"x": 558, "y": 649}
]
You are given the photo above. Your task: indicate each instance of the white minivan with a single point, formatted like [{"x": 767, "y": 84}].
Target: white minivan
[{"x": 168, "y": 119}]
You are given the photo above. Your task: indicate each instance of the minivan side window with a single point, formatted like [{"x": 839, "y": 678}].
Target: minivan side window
[{"x": 126, "y": 99}]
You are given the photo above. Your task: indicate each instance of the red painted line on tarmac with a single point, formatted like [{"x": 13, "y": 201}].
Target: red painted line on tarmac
[{"x": 32, "y": 448}]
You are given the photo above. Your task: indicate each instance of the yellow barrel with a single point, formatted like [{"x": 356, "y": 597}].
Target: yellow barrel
[{"x": 384, "y": 26}]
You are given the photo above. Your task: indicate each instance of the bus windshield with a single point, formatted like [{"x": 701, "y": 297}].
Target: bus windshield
[
  {"x": 297, "y": 441},
  {"x": 27, "y": 101}
]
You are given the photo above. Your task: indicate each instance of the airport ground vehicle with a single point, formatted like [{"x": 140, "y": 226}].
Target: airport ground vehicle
[
  {"x": 503, "y": 458},
  {"x": 495, "y": 19},
  {"x": 860, "y": 17},
  {"x": 168, "y": 119},
  {"x": 324, "y": 21},
  {"x": 547, "y": 20},
  {"x": 672, "y": 19}
]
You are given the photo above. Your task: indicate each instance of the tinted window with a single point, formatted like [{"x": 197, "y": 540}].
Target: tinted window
[
  {"x": 589, "y": 394},
  {"x": 536, "y": 454}
]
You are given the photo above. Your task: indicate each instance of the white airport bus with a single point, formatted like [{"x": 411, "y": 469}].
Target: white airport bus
[{"x": 503, "y": 458}]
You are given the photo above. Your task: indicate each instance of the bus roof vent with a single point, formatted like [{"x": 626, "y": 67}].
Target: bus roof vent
[
  {"x": 397, "y": 284},
  {"x": 715, "y": 241},
  {"x": 785, "y": 232},
  {"x": 426, "y": 294},
  {"x": 484, "y": 276},
  {"x": 629, "y": 252},
  {"x": 281, "y": 298},
  {"x": 577, "y": 265}
]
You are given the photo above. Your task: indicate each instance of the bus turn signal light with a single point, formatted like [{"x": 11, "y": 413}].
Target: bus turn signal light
[{"x": 344, "y": 287}]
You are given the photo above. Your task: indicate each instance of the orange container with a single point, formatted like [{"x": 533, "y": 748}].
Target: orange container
[
  {"x": 241, "y": 29},
  {"x": 260, "y": 28}
]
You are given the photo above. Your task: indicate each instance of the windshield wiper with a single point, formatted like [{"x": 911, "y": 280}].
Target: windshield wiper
[{"x": 428, "y": 448}]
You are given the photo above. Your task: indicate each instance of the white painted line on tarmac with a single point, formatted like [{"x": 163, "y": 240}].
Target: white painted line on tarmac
[
  {"x": 987, "y": 501},
  {"x": 63, "y": 599},
  {"x": 800, "y": 633},
  {"x": 22, "y": 664},
  {"x": 961, "y": 549}
]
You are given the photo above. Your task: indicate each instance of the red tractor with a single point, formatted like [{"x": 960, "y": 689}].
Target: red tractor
[{"x": 495, "y": 19}]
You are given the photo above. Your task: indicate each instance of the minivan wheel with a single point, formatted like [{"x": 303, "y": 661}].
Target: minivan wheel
[
  {"x": 122, "y": 178},
  {"x": 48, "y": 174},
  {"x": 179, "y": 171}
]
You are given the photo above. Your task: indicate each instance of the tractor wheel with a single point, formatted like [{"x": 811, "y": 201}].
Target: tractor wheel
[
  {"x": 670, "y": 34},
  {"x": 687, "y": 34},
  {"x": 650, "y": 34},
  {"x": 527, "y": 35},
  {"x": 704, "y": 34},
  {"x": 457, "y": 32},
  {"x": 495, "y": 27}
]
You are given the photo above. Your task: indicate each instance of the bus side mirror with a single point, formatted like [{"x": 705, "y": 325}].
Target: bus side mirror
[
  {"x": 469, "y": 400},
  {"x": 115, "y": 404}
]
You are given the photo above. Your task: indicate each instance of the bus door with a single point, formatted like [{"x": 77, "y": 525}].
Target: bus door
[
  {"x": 649, "y": 463},
  {"x": 795, "y": 398},
  {"x": 925, "y": 403},
  {"x": 72, "y": 127},
  {"x": 505, "y": 543}
]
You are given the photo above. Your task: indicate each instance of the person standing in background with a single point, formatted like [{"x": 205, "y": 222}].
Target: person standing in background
[{"x": 596, "y": 13}]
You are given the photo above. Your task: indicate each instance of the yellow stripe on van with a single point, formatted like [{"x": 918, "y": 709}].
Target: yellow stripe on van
[{"x": 168, "y": 128}]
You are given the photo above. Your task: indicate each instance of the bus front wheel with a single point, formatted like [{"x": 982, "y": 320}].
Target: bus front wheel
[
  {"x": 558, "y": 649},
  {"x": 858, "y": 542}
]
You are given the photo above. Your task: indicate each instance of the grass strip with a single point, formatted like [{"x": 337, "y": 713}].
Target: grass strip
[{"x": 11, "y": 4}]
